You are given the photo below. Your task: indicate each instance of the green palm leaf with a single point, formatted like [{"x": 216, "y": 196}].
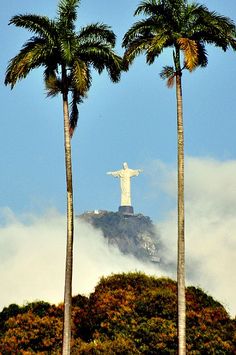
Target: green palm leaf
[
  {"x": 81, "y": 78},
  {"x": 95, "y": 32},
  {"x": 41, "y": 25},
  {"x": 67, "y": 14},
  {"x": 31, "y": 56}
]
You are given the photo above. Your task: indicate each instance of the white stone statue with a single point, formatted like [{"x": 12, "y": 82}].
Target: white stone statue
[{"x": 125, "y": 174}]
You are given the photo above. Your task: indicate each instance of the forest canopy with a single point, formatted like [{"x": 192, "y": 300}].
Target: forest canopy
[{"x": 126, "y": 314}]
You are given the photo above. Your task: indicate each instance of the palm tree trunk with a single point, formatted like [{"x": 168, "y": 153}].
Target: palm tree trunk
[
  {"x": 181, "y": 242},
  {"x": 70, "y": 231}
]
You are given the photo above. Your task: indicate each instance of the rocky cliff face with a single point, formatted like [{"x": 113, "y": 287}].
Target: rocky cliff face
[{"x": 132, "y": 234}]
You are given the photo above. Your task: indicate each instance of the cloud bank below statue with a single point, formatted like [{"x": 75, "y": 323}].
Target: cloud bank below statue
[{"x": 32, "y": 253}]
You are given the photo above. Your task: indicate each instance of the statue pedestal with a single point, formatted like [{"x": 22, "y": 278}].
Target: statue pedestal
[{"x": 126, "y": 210}]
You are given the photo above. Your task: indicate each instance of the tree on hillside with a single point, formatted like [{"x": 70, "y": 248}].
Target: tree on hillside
[
  {"x": 187, "y": 29},
  {"x": 67, "y": 57}
]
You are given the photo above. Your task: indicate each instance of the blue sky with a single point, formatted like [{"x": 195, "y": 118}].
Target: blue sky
[{"x": 133, "y": 121}]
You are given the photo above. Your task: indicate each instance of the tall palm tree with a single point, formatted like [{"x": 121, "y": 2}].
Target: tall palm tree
[
  {"x": 187, "y": 29},
  {"x": 67, "y": 57}
]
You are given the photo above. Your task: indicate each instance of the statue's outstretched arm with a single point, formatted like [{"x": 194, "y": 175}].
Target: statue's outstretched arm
[
  {"x": 136, "y": 172},
  {"x": 114, "y": 173}
]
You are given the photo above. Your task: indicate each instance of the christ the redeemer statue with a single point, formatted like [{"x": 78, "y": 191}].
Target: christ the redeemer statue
[{"x": 124, "y": 175}]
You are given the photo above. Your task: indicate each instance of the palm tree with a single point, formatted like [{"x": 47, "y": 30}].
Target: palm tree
[
  {"x": 67, "y": 57},
  {"x": 187, "y": 29}
]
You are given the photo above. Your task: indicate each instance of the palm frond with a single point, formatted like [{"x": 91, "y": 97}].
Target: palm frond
[
  {"x": 41, "y": 25},
  {"x": 74, "y": 112},
  {"x": 156, "y": 46},
  {"x": 81, "y": 78},
  {"x": 101, "y": 56},
  {"x": 143, "y": 28},
  {"x": 210, "y": 27},
  {"x": 52, "y": 82},
  {"x": 145, "y": 36},
  {"x": 190, "y": 49},
  {"x": 32, "y": 55},
  {"x": 148, "y": 7},
  {"x": 170, "y": 81},
  {"x": 232, "y": 42},
  {"x": 66, "y": 50},
  {"x": 168, "y": 74},
  {"x": 202, "y": 54},
  {"x": 115, "y": 66},
  {"x": 97, "y": 31},
  {"x": 67, "y": 13},
  {"x": 136, "y": 47}
]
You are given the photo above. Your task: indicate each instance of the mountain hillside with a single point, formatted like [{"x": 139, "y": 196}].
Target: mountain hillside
[
  {"x": 133, "y": 234},
  {"x": 127, "y": 314}
]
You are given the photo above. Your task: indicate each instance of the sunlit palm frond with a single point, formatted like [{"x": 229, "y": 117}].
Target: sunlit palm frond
[
  {"x": 136, "y": 47},
  {"x": 66, "y": 50},
  {"x": 81, "y": 79},
  {"x": 31, "y": 56},
  {"x": 190, "y": 50},
  {"x": 156, "y": 46}
]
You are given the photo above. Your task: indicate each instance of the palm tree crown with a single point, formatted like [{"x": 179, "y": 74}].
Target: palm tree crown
[
  {"x": 175, "y": 23},
  {"x": 67, "y": 56}
]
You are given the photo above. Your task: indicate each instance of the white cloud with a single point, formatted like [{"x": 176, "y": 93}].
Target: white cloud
[
  {"x": 210, "y": 200},
  {"x": 32, "y": 254}
]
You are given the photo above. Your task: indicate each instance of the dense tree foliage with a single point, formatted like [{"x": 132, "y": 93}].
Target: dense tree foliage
[{"x": 126, "y": 314}]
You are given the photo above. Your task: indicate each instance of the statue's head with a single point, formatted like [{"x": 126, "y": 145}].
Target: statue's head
[{"x": 125, "y": 165}]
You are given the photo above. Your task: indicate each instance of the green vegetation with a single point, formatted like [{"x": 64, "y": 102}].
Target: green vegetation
[{"x": 126, "y": 314}]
